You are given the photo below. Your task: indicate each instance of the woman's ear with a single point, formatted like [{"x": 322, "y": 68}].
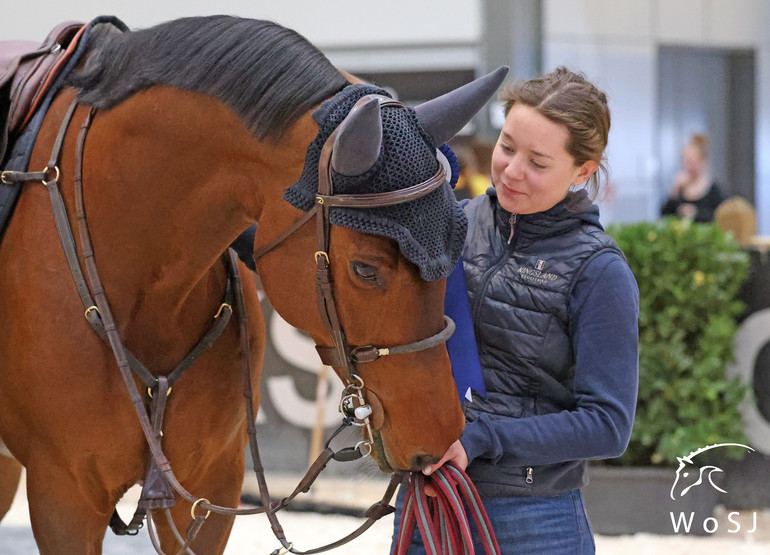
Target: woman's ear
[{"x": 585, "y": 171}]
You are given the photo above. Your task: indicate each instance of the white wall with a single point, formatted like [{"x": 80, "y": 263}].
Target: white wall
[{"x": 328, "y": 23}]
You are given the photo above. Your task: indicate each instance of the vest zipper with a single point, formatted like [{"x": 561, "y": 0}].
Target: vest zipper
[
  {"x": 512, "y": 222},
  {"x": 485, "y": 279},
  {"x": 530, "y": 479}
]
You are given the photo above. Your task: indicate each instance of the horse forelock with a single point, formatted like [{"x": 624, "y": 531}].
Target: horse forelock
[{"x": 267, "y": 74}]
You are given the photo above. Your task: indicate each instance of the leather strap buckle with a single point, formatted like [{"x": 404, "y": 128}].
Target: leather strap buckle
[
  {"x": 321, "y": 254},
  {"x": 366, "y": 353}
]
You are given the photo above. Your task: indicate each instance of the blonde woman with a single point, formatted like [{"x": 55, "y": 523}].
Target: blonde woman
[{"x": 694, "y": 195}]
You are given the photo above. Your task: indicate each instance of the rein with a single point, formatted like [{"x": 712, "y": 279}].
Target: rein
[{"x": 442, "y": 520}]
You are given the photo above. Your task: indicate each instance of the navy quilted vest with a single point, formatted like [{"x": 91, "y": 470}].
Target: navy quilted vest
[{"x": 520, "y": 270}]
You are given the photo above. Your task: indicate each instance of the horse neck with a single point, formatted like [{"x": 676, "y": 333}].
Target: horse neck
[{"x": 170, "y": 180}]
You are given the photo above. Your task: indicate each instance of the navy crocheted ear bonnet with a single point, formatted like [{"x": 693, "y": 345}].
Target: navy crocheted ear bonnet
[{"x": 430, "y": 230}]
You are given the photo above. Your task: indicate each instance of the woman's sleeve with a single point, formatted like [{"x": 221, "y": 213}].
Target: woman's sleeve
[
  {"x": 669, "y": 208},
  {"x": 719, "y": 196},
  {"x": 603, "y": 312}
]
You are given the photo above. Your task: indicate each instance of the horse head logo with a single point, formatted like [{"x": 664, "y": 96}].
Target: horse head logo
[{"x": 691, "y": 474}]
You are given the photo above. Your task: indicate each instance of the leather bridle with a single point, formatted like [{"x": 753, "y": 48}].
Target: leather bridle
[{"x": 341, "y": 354}]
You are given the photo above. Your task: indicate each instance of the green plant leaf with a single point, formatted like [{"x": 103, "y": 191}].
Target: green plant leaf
[{"x": 688, "y": 276}]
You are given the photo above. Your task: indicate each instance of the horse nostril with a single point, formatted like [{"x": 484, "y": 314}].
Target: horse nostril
[{"x": 421, "y": 461}]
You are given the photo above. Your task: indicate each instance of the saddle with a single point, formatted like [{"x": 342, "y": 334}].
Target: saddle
[{"x": 27, "y": 71}]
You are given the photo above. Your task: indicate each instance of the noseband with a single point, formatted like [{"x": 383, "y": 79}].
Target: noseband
[{"x": 341, "y": 354}]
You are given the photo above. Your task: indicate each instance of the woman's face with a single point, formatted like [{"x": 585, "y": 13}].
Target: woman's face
[
  {"x": 692, "y": 161},
  {"x": 531, "y": 168}
]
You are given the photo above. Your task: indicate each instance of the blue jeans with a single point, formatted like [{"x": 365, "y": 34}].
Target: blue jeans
[{"x": 555, "y": 525}]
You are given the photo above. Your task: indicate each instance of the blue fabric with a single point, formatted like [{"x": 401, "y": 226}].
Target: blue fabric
[
  {"x": 551, "y": 525},
  {"x": 244, "y": 247},
  {"x": 463, "y": 352},
  {"x": 454, "y": 163}
]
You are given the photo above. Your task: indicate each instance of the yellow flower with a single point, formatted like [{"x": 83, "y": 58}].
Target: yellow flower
[
  {"x": 698, "y": 277},
  {"x": 651, "y": 236},
  {"x": 680, "y": 226}
]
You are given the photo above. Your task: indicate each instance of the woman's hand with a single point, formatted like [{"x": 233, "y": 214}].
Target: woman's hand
[
  {"x": 687, "y": 211},
  {"x": 456, "y": 453},
  {"x": 681, "y": 180}
]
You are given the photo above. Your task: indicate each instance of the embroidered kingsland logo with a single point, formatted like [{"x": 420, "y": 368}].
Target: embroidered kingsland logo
[{"x": 536, "y": 273}]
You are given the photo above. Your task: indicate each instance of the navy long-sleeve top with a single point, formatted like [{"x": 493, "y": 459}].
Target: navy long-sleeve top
[{"x": 604, "y": 334}]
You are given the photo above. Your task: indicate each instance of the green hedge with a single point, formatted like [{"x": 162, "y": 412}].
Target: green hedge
[{"x": 688, "y": 276}]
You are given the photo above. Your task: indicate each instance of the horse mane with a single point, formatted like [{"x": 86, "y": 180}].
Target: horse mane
[{"x": 267, "y": 74}]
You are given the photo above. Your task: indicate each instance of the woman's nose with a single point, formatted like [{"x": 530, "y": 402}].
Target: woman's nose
[{"x": 514, "y": 168}]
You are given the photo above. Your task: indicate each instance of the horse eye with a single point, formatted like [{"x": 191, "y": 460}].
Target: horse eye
[{"x": 365, "y": 271}]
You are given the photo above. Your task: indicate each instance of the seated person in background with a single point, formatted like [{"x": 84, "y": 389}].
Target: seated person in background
[
  {"x": 694, "y": 195},
  {"x": 738, "y": 216},
  {"x": 481, "y": 180}
]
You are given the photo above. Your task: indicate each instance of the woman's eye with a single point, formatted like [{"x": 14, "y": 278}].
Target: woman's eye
[
  {"x": 538, "y": 166},
  {"x": 365, "y": 271}
]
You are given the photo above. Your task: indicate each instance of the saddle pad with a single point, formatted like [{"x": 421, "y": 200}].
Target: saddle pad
[
  {"x": 21, "y": 150},
  {"x": 18, "y": 161}
]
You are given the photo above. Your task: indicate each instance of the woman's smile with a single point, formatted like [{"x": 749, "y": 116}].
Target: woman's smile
[{"x": 531, "y": 167}]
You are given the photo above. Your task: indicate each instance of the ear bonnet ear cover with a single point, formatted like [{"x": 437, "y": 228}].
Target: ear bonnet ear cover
[{"x": 430, "y": 230}]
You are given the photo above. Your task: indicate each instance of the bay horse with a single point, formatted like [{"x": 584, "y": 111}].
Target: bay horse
[{"x": 184, "y": 135}]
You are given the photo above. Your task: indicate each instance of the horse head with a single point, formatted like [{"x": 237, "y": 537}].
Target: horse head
[{"x": 388, "y": 265}]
